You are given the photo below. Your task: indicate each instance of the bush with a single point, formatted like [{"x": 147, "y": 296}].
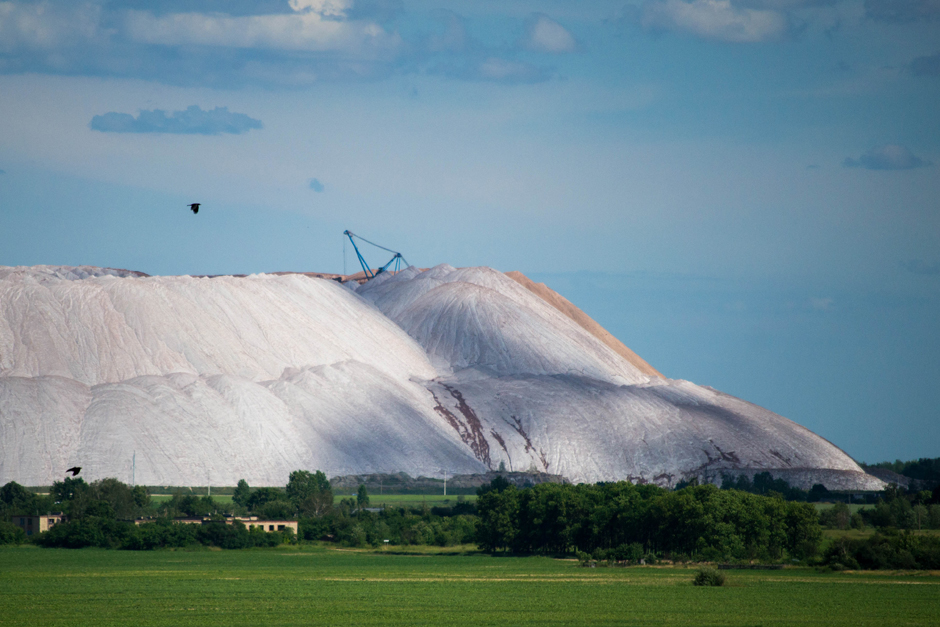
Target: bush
[
  {"x": 707, "y": 576},
  {"x": 836, "y": 517},
  {"x": 91, "y": 531},
  {"x": 11, "y": 534}
]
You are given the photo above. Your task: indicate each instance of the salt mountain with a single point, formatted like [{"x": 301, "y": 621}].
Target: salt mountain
[{"x": 224, "y": 378}]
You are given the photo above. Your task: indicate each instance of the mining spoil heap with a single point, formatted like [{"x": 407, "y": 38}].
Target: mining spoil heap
[{"x": 226, "y": 378}]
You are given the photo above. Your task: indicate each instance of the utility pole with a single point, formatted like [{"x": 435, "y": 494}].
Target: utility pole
[{"x": 134, "y": 470}]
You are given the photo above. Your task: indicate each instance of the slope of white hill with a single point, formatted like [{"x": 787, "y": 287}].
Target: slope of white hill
[
  {"x": 103, "y": 329},
  {"x": 480, "y": 318},
  {"x": 661, "y": 432},
  {"x": 253, "y": 377}
]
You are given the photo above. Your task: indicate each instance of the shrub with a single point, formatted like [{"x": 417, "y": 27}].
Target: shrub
[
  {"x": 11, "y": 534},
  {"x": 708, "y": 576}
]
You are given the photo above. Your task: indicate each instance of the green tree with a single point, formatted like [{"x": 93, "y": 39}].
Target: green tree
[
  {"x": 276, "y": 510},
  {"x": 68, "y": 489},
  {"x": 836, "y": 517},
  {"x": 141, "y": 497},
  {"x": 73, "y": 495},
  {"x": 362, "y": 498},
  {"x": 242, "y": 493},
  {"x": 14, "y": 494},
  {"x": 119, "y": 496},
  {"x": 310, "y": 493},
  {"x": 263, "y": 495},
  {"x": 15, "y": 499},
  {"x": 498, "y": 508}
]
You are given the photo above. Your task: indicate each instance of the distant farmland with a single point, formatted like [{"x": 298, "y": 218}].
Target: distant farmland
[{"x": 375, "y": 500}]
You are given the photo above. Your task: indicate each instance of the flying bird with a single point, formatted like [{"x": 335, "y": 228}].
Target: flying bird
[
  {"x": 74, "y": 470},
  {"x": 195, "y": 207}
]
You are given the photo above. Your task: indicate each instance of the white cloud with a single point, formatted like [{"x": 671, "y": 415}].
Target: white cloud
[
  {"x": 192, "y": 121},
  {"x": 887, "y": 157},
  {"x": 821, "y": 304},
  {"x": 903, "y": 11},
  {"x": 48, "y": 26},
  {"x": 331, "y": 8},
  {"x": 454, "y": 38},
  {"x": 547, "y": 35},
  {"x": 504, "y": 70},
  {"x": 783, "y": 5},
  {"x": 714, "y": 19},
  {"x": 307, "y": 31}
]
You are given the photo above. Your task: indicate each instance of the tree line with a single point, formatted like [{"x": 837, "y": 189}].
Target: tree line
[
  {"x": 606, "y": 521},
  {"x": 101, "y": 514},
  {"x": 925, "y": 469},
  {"x": 700, "y": 522}
]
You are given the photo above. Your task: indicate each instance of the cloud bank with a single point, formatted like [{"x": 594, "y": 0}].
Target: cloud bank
[
  {"x": 902, "y": 11},
  {"x": 719, "y": 20},
  {"x": 493, "y": 70},
  {"x": 309, "y": 31},
  {"x": 273, "y": 43},
  {"x": 192, "y": 121},
  {"x": 546, "y": 35},
  {"x": 887, "y": 157}
]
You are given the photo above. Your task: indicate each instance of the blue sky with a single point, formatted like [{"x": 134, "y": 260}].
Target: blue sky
[{"x": 746, "y": 192}]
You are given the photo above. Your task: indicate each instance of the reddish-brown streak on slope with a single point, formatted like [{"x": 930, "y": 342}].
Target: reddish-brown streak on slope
[
  {"x": 470, "y": 430},
  {"x": 517, "y": 425},
  {"x": 502, "y": 443},
  {"x": 584, "y": 321}
]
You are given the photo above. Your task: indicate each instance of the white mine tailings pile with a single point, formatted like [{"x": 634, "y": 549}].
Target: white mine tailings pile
[{"x": 218, "y": 379}]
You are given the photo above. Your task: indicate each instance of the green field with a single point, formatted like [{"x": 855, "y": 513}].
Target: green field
[
  {"x": 218, "y": 498},
  {"x": 330, "y": 586},
  {"x": 853, "y": 507},
  {"x": 375, "y": 500},
  {"x": 410, "y": 500}
]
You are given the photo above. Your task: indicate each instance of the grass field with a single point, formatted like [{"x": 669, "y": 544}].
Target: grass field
[
  {"x": 867, "y": 532},
  {"x": 375, "y": 500},
  {"x": 853, "y": 507},
  {"x": 410, "y": 500},
  {"x": 329, "y": 586},
  {"x": 218, "y": 498}
]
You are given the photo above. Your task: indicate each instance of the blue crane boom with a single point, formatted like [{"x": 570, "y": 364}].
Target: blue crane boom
[{"x": 397, "y": 259}]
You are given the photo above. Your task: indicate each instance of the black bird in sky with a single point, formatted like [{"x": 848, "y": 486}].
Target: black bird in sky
[
  {"x": 74, "y": 470},
  {"x": 195, "y": 207}
]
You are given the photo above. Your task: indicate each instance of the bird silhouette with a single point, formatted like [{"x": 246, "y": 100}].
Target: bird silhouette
[
  {"x": 74, "y": 470},
  {"x": 195, "y": 207}
]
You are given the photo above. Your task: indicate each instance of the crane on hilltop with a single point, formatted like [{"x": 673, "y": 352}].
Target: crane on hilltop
[{"x": 396, "y": 259}]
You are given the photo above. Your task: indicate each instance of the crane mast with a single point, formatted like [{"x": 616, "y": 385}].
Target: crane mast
[{"x": 397, "y": 258}]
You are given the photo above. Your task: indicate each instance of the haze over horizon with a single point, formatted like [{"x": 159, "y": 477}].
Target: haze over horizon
[{"x": 745, "y": 192}]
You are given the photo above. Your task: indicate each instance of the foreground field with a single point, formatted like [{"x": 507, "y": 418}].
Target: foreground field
[{"x": 325, "y": 586}]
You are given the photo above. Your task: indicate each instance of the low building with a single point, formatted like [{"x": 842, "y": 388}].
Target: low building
[
  {"x": 36, "y": 524},
  {"x": 249, "y": 522},
  {"x": 269, "y": 525}
]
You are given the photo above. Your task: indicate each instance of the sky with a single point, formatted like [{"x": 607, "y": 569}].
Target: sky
[{"x": 745, "y": 192}]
